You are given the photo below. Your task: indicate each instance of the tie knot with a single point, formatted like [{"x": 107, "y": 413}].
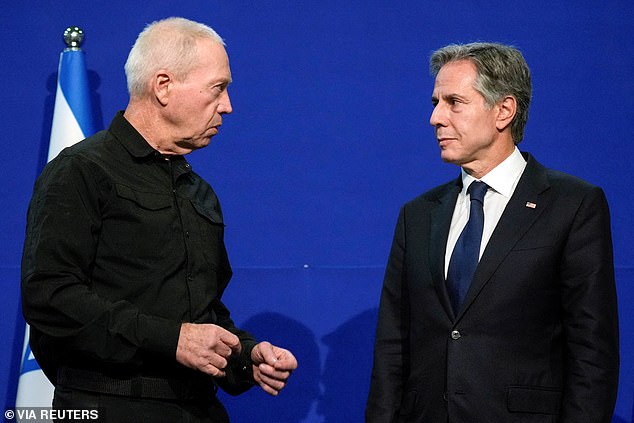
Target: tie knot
[{"x": 477, "y": 190}]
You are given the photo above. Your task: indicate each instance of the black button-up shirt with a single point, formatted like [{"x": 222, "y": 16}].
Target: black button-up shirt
[{"x": 122, "y": 246}]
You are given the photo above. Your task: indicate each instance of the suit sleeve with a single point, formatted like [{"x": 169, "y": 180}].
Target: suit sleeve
[
  {"x": 590, "y": 315},
  {"x": 390, "y": 359}
]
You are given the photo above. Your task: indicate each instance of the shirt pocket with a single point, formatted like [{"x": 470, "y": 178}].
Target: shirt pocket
[
  {"x": 209, "y": 214},
  {"x": 141, "y": 224},
  {"x": 145, "y": 200},
  {"x": 210, "y": 236}
]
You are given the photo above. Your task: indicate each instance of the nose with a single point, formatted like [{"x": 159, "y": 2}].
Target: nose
[
  {"x": 224, "y": 106},
  {"x": 437, "y": 117}
]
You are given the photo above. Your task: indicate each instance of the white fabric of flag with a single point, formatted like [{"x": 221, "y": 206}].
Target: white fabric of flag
[{"x": 72, "y": 122}]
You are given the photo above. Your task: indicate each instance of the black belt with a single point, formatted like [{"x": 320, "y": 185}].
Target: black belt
[{"x": 137, "y": 386}]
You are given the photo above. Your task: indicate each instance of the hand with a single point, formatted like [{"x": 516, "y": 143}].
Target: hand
[
  {"x": 272, "y": 366},
  {"x": 206, "y": 347}
]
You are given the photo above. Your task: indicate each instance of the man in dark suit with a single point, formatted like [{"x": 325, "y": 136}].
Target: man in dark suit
[{"x": 498, "y": 303}]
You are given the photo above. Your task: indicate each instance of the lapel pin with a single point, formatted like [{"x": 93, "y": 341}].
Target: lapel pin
[{"x": 531, "y": 205}]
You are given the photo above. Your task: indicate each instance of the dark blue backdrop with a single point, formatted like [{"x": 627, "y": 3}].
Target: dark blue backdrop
[{"x": 328, "y": 138}]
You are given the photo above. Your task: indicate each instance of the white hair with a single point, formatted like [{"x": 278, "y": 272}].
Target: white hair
[{"x": 166, "y": 44}]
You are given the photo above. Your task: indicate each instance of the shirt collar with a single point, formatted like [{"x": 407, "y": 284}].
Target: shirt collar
[
  {"x": 130, "y": 138},
  {"x": 503, "y": 177},
  {"x": 138, "y": 147}
]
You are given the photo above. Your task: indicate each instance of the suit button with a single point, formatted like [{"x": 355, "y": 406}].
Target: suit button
[
  {"x": 445, "y": 396},
  {"x": 455, "y": 334}
]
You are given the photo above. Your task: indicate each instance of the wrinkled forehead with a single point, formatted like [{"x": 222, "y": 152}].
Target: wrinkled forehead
[
  {"x": 213, "y": 60},
  {"x": 456, "y": 76}
]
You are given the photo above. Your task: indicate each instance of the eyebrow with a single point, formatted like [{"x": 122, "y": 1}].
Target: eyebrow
[
  {"x": 220, "y": 81},
  {"x": 449, "y": 95}
]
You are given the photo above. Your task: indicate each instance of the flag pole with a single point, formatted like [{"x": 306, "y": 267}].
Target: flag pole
[{"x": 72, "y": 117}]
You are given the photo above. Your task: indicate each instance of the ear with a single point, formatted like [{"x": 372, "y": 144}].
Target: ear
[
  {"x": 507, "y": 107},
  {"x": 162, "y": 86}
]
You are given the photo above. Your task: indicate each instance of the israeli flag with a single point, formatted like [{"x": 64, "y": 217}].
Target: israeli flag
[
  {"x": 72, "y": 122},
  {"x": 72, "y": 117}
]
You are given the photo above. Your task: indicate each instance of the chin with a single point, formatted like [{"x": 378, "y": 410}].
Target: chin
[
  {"x": 203, "y": 143},
  {"x": 447, "y": 157}
]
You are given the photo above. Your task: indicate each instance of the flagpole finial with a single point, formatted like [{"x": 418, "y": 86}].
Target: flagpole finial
[{"x": 73, "y": 37}]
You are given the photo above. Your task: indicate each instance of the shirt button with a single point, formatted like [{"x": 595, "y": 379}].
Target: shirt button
[
  {"x": 455, "y": 334},
  {"x": 187, "y": 234}
]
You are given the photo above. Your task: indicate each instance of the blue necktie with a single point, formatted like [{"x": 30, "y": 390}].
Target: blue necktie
[{"x": 464, "y": 258}]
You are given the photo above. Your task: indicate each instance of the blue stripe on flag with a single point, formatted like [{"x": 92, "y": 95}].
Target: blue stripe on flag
[
  {"x": 28, "y": 364},
  {"x": 73, "y": 80}
]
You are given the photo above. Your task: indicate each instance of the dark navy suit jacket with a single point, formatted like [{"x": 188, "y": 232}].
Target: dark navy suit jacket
[{"x": 536, "y": 339}]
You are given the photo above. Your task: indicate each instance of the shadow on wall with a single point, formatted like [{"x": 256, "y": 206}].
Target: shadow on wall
[
  {"x": 346, "y": 375},
  {"x": 295, "y": 402}
]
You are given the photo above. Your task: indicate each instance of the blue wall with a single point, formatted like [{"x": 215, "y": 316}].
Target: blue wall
[{"x": 328, "y": 138}]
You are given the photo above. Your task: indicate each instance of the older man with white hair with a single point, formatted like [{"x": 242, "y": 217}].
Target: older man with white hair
[{"x": 124, "y": 262}]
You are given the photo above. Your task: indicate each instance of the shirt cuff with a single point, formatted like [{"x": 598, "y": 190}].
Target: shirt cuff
[{"x": 159, "y": 335}]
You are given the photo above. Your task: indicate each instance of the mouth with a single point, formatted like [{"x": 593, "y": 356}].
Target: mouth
[{"x": 443, "y": 141}]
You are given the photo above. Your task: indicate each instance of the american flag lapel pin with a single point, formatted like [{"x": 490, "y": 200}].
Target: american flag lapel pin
[{"x": 531, "y": 205}]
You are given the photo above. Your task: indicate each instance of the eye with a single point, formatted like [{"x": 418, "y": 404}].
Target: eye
[{"x": 220, "y": 88}]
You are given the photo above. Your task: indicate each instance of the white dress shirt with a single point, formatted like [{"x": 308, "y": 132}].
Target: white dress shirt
[{"x": 502, "y": 181}]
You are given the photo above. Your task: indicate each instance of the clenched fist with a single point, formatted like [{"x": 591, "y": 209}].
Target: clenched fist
[
  {"x": 272, "y": 366},
  {"x": 206, "y": 347}
]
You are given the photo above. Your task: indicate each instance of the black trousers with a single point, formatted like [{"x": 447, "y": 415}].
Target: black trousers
[{"x": 69, "y": 403}]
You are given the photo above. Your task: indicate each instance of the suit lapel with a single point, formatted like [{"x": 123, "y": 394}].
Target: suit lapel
[
  {"x": 440, "y": 218},
  {"x": 529, "y": 200}
]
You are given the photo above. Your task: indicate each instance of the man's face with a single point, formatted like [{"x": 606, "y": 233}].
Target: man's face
[
  {"x": 465, "y": 125},
  {"x": 196, "y": 105}
]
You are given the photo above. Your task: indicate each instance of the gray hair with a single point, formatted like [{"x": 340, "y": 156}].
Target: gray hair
[
  {"x": 501, "y": 71},
  {"x": 166, "y": 44}
]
